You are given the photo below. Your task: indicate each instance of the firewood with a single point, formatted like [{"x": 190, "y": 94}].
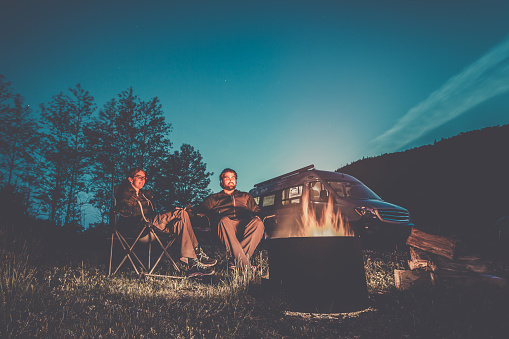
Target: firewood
[
  {"x": 405, "y": 279},
  {"x": 432, "y": 243},
  {"x": 419, "y": 259},
  {"x": 471, "y": 280},
  {"x": 465, "y": 264}
]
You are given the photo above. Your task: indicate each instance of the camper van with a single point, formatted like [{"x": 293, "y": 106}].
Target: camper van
[{"x": 283, "y": 199}]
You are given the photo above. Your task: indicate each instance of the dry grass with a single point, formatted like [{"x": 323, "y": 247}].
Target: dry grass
[{"x": 78, "y": 300}]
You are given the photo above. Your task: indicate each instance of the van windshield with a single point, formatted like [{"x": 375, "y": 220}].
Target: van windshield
[{"x": 354, "y": 190}]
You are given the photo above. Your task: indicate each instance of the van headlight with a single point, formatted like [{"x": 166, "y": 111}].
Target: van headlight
[{"x": 366, "y": 212}]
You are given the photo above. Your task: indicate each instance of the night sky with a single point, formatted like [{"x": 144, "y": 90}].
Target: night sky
[{"x": 266, "y": 87}]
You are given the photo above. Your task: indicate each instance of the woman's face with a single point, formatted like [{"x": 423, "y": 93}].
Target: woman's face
[{"x": 138, "y": 181}]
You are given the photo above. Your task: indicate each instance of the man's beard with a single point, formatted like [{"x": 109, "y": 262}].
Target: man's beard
[{"x": 229, "y": 187}]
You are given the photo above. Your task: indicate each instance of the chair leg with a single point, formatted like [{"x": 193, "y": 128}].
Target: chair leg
[
  {"x": 111, "y": 252},
  {"x": 130, "y": 255},
  {"x": 165, "y": 251},
  {"x": 212, "y": 243},
  {"x": 129, "y": 250},
  {"x": 149, "y": 254}
]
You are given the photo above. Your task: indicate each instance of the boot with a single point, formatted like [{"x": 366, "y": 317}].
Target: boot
[
  {"x": 197, "y": 269},
  {"x": 204, "y": 258}
]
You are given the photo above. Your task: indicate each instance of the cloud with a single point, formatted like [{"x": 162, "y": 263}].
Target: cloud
[{"x": 482, "y": 80}]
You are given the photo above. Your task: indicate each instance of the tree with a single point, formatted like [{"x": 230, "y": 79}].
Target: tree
[
  {"x": 5, "y": 93},
  {"x": 108, "y": 158},
  {"x": 66, "y": 154},
  {"x": 128, "y": 133},
  {"x": 143, "y": 133},
  {"x": 19, "y": 141},
  {"x": 184, "y": 180},
  {"x": 153, "y": 144}
]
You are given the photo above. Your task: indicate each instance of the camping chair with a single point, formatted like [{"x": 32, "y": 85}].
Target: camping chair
[
  {"x": 210, "y": 231},
  {"x": 149, "y": 234},
  {"x": 264, "y": 219}
]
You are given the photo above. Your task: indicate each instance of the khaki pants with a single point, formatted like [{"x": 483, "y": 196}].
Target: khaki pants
[
  {"x": 178, "y": 222},
  {"x": 241, "y": 237}
]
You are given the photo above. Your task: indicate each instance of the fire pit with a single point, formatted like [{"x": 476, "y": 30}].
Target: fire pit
[{"x": 319, "y": 274}]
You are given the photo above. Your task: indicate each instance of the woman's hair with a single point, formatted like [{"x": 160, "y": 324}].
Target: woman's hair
[{"x": 132, "y": 172}]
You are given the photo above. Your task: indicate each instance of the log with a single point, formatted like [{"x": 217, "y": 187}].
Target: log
[
  {"x": 432, "y": 243},
  {"x": 405, "y": 279},
  {"x": 435, "y": 263},
  {"x": 464, "y": 264},
  {"x": 471, "y": 280},
  {"x": 420, "y": 260}
]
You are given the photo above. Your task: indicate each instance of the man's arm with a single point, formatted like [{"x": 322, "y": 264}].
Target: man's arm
[
  {"x": 203, "y": 209},
  {"x": 251, "y": 204}
]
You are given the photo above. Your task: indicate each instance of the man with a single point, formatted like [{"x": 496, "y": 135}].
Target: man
[
  {"x": 135, "y": 208},
  {"x": 239, "y": 229}
]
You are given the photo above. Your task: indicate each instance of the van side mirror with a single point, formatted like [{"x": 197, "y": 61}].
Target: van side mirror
[{"x": 324, "y": 196}]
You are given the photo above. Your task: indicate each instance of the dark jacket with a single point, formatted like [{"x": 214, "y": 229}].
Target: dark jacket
[
  {"x": 128, "y": 202},
  {"x": 237, "y": 206}
]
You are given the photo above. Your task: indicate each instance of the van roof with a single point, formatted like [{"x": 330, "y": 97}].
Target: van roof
[{"x": 300, "y": 176}]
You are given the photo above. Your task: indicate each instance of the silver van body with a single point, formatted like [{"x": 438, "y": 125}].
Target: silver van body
[{"x": 280, "y": 200}]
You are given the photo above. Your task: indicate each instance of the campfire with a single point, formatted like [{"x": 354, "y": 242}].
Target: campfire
[
  {"x": 325, "y": 224},
  {"x": 319, "y": 268}
]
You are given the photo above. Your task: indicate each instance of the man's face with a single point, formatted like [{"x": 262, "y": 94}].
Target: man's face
[
  {"x": 138, "y": 181},
  {"x": 229, "y": 182}
]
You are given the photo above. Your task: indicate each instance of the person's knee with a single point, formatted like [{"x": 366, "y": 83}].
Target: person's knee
[
  {"x": 181, "y": 213},
  {"x": 224, "y": 223},
  {"x": 258, "y": 223},
  {"x": 224, "y": 220},
  {"x": 221, "y": 227}
]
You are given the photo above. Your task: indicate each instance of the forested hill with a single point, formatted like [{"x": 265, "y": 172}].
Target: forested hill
[{"x": 457, "y": 186}]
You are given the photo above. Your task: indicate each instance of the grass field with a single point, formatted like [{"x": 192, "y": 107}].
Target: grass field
[{"x": 71, "y": 298}]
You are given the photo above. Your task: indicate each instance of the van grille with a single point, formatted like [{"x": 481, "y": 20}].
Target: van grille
[{"x": 393, "y": 215}]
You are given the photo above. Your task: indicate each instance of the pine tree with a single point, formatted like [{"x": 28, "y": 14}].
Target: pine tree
[
  {"x": 128, "y": 133},
  {"x": 104, "y": 142},
  {"x": 153, "y": 143},
  {"x": 66, "y": 154},
  {"x": 19, "y": 141},
  {"x": 5, "y": 94},
  {"x": 185, "y": 179}
]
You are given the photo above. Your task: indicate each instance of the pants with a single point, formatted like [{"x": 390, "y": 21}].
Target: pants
[
  {"x": 177, "y": 222},
  {"x": 241, "y": 237}
]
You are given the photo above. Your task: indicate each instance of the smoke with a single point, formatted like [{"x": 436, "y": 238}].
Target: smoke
[{"x": 482, "y": 80}]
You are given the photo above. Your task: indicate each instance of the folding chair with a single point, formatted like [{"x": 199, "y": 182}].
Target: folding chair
[
  {"x": 263, "y": 220},
  {"x": 128, "y": 244},
  {"x": 210, "y": 232}
]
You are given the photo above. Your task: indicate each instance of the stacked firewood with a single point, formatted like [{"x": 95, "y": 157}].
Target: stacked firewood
[{"x": 437, "y": 260}]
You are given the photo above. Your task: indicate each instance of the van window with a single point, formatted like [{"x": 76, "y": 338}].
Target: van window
[
  {"x": 257, "y": 200},
  {"x": 268, "y": 200},
  {"x": 352, "y": 190},
  {"x": 291, "y": 195},
  {"x": 318, "y": 191}
]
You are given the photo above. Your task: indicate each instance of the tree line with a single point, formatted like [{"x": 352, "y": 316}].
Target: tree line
[{"x": 69, "y": 154}]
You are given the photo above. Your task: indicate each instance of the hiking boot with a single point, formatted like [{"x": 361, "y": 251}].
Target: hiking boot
[
  {"x": 204, "y": 258},
  {"x": 197, "y": 269}
]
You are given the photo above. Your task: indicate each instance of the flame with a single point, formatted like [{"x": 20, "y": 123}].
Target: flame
[{"x": 330, "y": 223}]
